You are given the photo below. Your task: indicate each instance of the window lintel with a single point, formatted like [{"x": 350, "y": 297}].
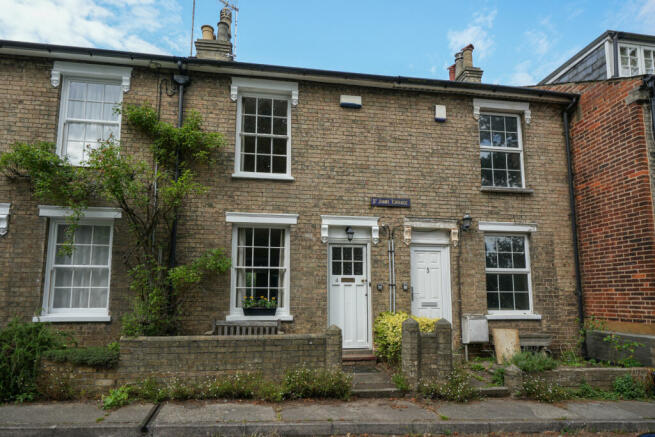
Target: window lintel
[
  {"x": 247, "y": 84},
  {"x": 95, "y": 71},
  {"x": 89, "y": 213},
  {"x": 502, "y": 106},
  {"x": 261, "y": 218}
]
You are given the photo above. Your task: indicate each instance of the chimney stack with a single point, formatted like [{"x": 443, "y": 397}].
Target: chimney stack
[
  {"x": 217, "y": 47},
  {"x": 464, "y": 70}
]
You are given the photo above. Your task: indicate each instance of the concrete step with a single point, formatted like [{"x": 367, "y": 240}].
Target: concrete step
[
  {"x": 377, "y": 392},
  {"x": 370, "y": 382},
  {"x": 494, "y": 392}
]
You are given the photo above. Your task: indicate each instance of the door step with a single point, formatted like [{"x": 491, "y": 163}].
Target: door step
[
  {"x": 358, "y": 356},
  {"x": 372, "y": 383}
]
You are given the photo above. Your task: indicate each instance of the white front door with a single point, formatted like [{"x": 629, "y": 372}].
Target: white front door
[
  {"x": 349, "y": 293},
  {"x": 431, "y": 282}
]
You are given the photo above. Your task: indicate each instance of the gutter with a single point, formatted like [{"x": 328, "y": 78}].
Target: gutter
[
  {"x": 574, "y": 227},
  {"x": 275, "y": 71}
]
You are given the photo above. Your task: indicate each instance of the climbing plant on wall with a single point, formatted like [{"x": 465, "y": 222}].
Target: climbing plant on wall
[{"x": 149, "y": 186}]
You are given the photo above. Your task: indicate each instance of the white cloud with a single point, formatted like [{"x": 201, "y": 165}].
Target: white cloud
[
  {"x": 476, "y": 34},
  {"x": 647, "y": 13},
  {"x": 521, "y": 76},
  {"x": 633, "y": 16},
  {"x": 114, "y": 24}
]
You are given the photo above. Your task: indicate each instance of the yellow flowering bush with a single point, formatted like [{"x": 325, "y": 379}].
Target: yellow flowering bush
[{"x": 388, "y": 334}]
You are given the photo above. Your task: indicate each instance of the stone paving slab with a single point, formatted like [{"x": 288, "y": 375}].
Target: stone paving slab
[
  {"x": 503, "y": 409},
  {"x": 70, "y": 413},
  {"x": 214, "y": 412},
  {"x": 374, "y": 410},
  {"x": 602, "y": 410}
]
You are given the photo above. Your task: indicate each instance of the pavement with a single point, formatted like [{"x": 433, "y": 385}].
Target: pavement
[{"x": 363, "y": 416}]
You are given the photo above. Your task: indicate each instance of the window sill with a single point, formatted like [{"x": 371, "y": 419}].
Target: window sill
[
  {"x": 513, "y": 316},
  {"x": 241, "y": 317},
  {"x": 506, "y": 190},
  {"x": 275, "y": 177},
  {"x": 65, "y": 318}
]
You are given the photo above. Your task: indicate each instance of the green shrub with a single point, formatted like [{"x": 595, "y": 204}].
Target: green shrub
[
  {"x": 477, "y": 367},
  {"x": 387, "y": 330},
  {"x": 628, "y": 388},
  {"x": 400, "y": 381},
  {"x": 457, "y": 387},
  {"x": 102, "y": 357},
  {"x": 316, "y": 383},
  {"x": 498, "y": 377},
  {"x": 297, "y": 384},
  {"x": 539, "y": 389},
  {"x": 531, "y": 362},
  {"x": 21, "y": 347},
  {"x": 585, "y": 391},
  {"x": 116, "y": 398}
]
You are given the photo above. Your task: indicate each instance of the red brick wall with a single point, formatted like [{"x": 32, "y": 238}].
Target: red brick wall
[{"x": 614, "y": 203}]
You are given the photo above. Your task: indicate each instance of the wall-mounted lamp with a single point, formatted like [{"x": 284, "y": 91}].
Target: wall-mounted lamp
[
  {"x": 350, "y": 233},
  {"x": 466, "y": 222}
]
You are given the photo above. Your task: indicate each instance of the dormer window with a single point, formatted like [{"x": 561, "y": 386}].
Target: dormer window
[{"x": 635, "y": 60}]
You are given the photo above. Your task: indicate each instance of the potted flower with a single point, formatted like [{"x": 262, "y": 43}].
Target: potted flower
[{"x": 259, "y": 307}]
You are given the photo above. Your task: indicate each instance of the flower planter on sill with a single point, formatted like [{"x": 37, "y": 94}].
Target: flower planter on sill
[{"x": 259, "y": 311}]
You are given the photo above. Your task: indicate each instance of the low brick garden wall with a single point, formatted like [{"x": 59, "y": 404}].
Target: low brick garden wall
[
  {"x": 84, "y": 381},
  {"x": 600, "y": 349},
  {"x": 197, "y": 357},
  {"x": 426, "y": 355},
  {"x": 573, "y": 377}
]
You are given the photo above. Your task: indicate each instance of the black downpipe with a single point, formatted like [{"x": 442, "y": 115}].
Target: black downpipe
[
  {"x": 574, "y": 226},
  {"x": 181, "y": 80},
  {"x": 649, "y": 82},
  {"x": 615, "y": 51}
]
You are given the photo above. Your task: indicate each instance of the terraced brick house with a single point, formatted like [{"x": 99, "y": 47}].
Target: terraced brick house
[
  {"x": 613, "y": 151},
  {"x": 342, "y": 195}
]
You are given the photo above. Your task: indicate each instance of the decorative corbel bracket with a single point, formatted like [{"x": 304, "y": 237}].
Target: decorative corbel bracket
[
  {"x": 4, "y": 218},
  {"x": 454, "y": 236},
  {"x": 375, "y": 234},
  {"x": 407, "y": 235},
  {"x": 55, "y": 78},
  {"x": 324, "y": 233},
  {"x": 294, "y": 97},
  {"x": 234, "y": 92}
]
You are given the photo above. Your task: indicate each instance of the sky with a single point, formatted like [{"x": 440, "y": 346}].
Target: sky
[{"x": 516, "y": 42}]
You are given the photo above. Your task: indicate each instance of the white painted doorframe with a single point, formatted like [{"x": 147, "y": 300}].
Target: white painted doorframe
[
  {"x": 367, "y": 244},
  {"x": 446, "y": 294}
]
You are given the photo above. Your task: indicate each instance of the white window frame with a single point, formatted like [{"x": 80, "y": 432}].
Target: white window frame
[
  {"x": 59, "y": 215},
  {"x": 89, "y": 73},
  {"x": 518, "y": 150},
  {"x": 511, "y": 229},
  {"x": 641, "y": 58},
  {"x": 257, "y": 220},
  {"x": 247, "y": 87}
]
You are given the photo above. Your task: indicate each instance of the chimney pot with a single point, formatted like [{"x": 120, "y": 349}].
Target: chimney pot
[
  {"x": 458, "y": 64},
  {"x": 467, "y": 56},
  {"x": 451, "y": 72},
  {"x": 207, "y": 32}
]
